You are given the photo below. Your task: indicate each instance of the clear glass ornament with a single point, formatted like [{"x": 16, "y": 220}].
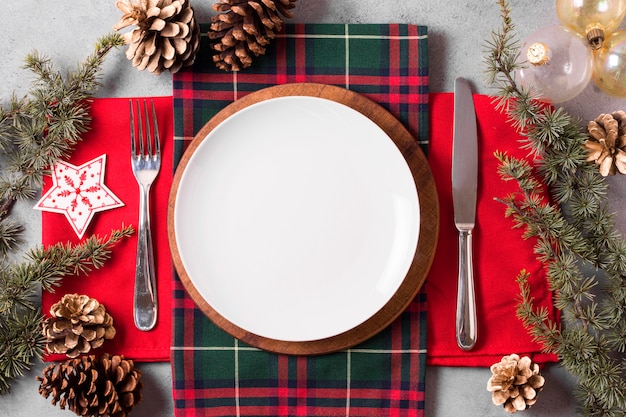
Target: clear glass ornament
[
  {"x": 558, "y": 63},
  {"x": 609, "y": 65},
  {"x": 595, "y": 19}
]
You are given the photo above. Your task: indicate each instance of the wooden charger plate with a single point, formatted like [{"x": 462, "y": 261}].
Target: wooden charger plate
[{"x": 296, "y": 338}]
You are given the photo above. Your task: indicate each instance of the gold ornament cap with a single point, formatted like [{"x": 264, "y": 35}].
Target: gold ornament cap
[
  {"x": 595, "y": 38},
  {"x": 537, "y": 53}
]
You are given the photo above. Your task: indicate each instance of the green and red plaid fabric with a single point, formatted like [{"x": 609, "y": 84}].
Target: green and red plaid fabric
[{"x": 217, "y": 375}]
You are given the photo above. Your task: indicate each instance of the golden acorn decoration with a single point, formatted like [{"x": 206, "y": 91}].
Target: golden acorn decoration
[
  {"x": 606, "y": 145},
  {"x": 243, "y": 28},
  {"x": 515, "y": 383},
  {"x": 166, "y": 37},
  {"x": 107, "y": 386},
  {"x": 78, "y": 324}
]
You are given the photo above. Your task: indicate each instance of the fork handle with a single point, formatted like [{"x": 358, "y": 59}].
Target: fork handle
[{"x": 145, "y": 298}]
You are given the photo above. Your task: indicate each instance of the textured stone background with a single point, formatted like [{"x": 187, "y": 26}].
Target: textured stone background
[{"x": 65, "y": 31}]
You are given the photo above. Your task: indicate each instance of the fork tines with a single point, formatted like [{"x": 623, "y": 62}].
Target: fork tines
[{"x": 138, "y": 139}]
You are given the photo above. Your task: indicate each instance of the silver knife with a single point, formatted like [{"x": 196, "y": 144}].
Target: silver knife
[{"x": 464, "y": 185}]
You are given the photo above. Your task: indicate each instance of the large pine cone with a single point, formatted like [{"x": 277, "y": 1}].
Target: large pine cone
[
  {"x": 109, "y": 386},
  {"x": 243, "y": 28},
  {"x": 515, "y": 383},
  {"x": 78, "y": 324},
  {"x": 167, "y": 35},
  {"x": 606, "y": 145}
]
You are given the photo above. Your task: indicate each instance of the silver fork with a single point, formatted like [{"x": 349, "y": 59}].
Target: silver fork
[{"x": 146, "y": 162}]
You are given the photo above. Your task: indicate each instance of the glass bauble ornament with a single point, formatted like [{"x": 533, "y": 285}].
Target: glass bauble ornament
[
  {"x": 609, "y": 65},
  {"x": 558, "y": 63},
  {"x": 595, "y": 19}
]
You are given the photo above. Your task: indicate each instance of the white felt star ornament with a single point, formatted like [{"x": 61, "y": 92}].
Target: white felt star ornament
[{"x": 78, "y": 193}]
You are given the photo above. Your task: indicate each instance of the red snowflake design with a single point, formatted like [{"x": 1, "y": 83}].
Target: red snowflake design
[{"x": 81, "y": 194}]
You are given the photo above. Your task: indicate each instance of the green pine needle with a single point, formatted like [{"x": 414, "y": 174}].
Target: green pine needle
[
  {"x": 35, "y": 132},
  {"x": 576, "y": 240}
]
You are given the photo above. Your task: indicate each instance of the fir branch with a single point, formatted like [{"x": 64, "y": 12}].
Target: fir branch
[
  {"x": 21, "y": 338},
  {"x": 502, "y": 57},
  {"x": 576, "y": 239},
  {"x": 87, "y": 76},
  {"x": 47, "y": 265},
  {"x": 10, "y": 236},
  {"x": 541, "y": 329},
  {"x": 21, "y": 341},
  {"x": 35, "y": 131}
]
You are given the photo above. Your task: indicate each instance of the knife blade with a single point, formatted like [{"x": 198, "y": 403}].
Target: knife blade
[{"x": 464, "y": 190}]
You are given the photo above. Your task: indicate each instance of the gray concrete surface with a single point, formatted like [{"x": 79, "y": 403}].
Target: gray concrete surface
[{"x": 65, "y": 31}]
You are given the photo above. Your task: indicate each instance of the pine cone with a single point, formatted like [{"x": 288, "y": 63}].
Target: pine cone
[
  {"x": 515, "y": 383},
  {"x": 167, "y": 34},
  {"x": 109, "y": 386},
  {"x": 243, "y": 28},
  {"x": 606, "y": 145},
  {"x": 78, "y": 324}
]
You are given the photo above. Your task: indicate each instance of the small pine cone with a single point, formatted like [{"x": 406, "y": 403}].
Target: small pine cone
[
  {"x": 515, "y": 383},
  {"x": 78, "y": 324},
  {"x": 167, "y": 35},
  {"x": 606, "y": 145},
  {"x": 108, "y": 386},
  {"x": 243, "y": 28}
]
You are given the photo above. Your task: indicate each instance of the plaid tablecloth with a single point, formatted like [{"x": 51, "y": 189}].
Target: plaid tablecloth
[{"x": 215, "y": 374}]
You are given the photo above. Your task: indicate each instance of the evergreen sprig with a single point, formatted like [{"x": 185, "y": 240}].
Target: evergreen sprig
[
  {"x": 35, "y": 132},
  {"x": 21, "y": 338},
  {"x": 576, "y": 240}
]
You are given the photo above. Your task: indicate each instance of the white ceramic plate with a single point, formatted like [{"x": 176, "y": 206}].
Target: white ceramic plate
[{"x": 296, "y": 218}]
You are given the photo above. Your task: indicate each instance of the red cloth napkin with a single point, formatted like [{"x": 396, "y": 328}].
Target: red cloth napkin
[
  {"x": 112, "y": 285},
  {"x": 500, "y": 253}
]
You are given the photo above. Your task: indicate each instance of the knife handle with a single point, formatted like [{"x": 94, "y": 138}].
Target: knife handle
[{"x": 466, "y": 324}]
